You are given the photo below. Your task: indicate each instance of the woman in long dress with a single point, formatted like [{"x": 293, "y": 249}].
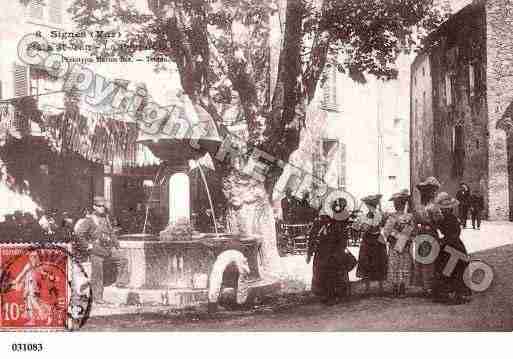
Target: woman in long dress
[
  {"x": 372, "y": 260},
  {"x": 399, "y": 229},
  {"x": 327, "y": 243},
  {"x": 451, "y": 286},
  {"x": 427, "y": 215}
]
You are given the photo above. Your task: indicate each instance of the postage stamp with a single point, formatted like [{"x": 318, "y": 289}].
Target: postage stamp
[{"x": 34, "y": 287}]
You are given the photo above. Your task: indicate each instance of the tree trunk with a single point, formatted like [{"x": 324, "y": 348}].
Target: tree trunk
[{"x": 250, "y": 213}]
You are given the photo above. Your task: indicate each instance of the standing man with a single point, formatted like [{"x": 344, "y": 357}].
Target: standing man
[
  {"x": 289, "y": 207},
  {"x": 463, "y": 196},
  {"x": 104, "y": 246},
  {"x": 477, "y": 206}
]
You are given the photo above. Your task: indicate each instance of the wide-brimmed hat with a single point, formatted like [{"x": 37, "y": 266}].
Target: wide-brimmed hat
[
  {"x": 372, "y": 200},
  {"x": 444, "y": 200},
  {"x": 342, "y": 206},
  {"x": 402, "y": 195},
  {"x": 429, "y": 182}
]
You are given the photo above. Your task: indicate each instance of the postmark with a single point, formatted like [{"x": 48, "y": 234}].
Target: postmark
[{"x": 42, "y": 287}]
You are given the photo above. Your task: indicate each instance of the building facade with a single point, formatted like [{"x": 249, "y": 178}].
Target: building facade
[
  {"x": 460, "y": 88},
  {"x": 54, "y": 180}
]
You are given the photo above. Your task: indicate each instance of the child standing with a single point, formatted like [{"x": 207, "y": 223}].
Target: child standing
[{"x": 398, "y": 232}]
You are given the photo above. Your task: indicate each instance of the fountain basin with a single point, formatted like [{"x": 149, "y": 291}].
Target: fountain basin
[{"x": 179, "y": 273}]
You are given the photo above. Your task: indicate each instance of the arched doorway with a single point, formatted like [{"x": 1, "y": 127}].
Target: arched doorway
[{"x": 179, "y": 197}]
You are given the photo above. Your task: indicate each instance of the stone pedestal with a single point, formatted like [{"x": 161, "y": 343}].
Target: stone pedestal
[{"x": 167, "y": 265}]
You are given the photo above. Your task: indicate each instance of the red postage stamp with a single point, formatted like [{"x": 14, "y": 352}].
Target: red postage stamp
[{"x": 33, "y": 287}]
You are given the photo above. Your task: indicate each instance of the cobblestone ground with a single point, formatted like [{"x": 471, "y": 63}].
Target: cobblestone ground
[{"x": 297, "y": 310}]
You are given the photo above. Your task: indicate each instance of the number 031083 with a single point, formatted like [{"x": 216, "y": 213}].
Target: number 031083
[{"x": 26, "y": 347}]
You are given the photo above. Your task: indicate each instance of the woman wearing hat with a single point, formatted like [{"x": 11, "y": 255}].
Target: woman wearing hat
[
  {"x": 327, "y": 242},
  {"x": 451, "y": 287},
  {"x": 372, "y": 261},
  {"x": 426, "y": 216},
  {"x": 398, "y": 232}
]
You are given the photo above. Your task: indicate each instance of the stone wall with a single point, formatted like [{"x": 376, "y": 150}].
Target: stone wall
[
  {"x": 421, "y": 130},
  {"x": 457, "y": 109},
  {"x": 460, "y": 58},
  {"x": 499, "y": 73}
]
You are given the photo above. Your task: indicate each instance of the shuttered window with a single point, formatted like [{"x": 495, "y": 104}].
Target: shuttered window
[
  {"x": 36, "y": 9},
  {"x": 55, "y": 11},
  {"x": 154, "y": 5},
  {"x": 342, "y": 176},
  {"x": 448, "y": 90},
  {"x": 471, "y": 79},
  {"x": 20, "y": 73},
  {"x": 329, "y": 100},
  {"x": 458, "y": 147}
]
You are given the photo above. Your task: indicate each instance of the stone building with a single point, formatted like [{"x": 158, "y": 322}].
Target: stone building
[
  {"x": 460, "y": 88},
  {"x": 60, "y": 178},
  {"x": 55, "y": 180}
]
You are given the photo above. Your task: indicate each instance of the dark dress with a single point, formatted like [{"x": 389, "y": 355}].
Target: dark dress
[
  {"x": 372, "y": 259},
  {"x": 450, "y": 228},
  {"x": 464, "y": 197},
  {"x": 328, "y": 243},
  {"x": 426, "y": 217}
]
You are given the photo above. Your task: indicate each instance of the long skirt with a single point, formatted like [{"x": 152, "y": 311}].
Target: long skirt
[
  {"x": 372, "y": 259},
  {"x": 453, "y": 282},
  {"x": 400, "y": 266},
  {"x": 423, "y": 274},
  {"x": 329, "y": 280}
]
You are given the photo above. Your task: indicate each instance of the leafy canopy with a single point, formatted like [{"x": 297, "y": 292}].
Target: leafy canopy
[{"x": 222, "y": 50}]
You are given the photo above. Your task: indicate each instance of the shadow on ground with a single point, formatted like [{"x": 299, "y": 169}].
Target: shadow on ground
[{"x": 490, "y": 310}]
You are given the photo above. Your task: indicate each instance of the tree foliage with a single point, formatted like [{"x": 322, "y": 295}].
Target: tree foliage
[{"x": 221, "y": 50}]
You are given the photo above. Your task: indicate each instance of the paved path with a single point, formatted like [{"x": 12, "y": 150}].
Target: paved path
[{"x": 490, "y": 310}]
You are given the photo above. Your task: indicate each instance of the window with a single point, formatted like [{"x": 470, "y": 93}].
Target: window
[
  {"x": 342, "y": 176},
  {"x": 55, "y": 11},
  {"x": 46, "y": 10},
  {"x": 458, "y": 142},
  {"x": 21, "y": 81},
  {"x": 471, "y": 80},
  {"x": 36, "y": 9},
  {"x": 423, "y": 105},
  {"x": 448, "y": 89},
  {"x": 329, "y": 100},
  {"x": 442, "y": 92},
  {"x": 155, "y": 5}
]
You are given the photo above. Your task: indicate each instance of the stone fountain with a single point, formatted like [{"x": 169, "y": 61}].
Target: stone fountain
[{"x": 176, "y": 269}]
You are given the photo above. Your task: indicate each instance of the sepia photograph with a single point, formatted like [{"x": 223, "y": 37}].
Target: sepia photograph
[{"x": 255, "y": 166}]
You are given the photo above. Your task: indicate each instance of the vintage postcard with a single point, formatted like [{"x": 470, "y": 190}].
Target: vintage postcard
[{"x": 255, "y": 165}]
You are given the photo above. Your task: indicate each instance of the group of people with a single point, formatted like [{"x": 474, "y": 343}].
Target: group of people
[
  {"x": 470, "y": 202},
  {"x": 389, "y": 249},
  {"x": 93, "y": 235},
  {"x": 46, "y": 225},
  {"x": 57, "y": 226},
  {"x": 296, "y": 211}
]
